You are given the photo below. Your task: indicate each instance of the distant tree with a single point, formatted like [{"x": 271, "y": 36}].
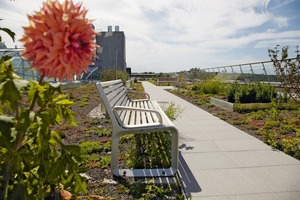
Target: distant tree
[
  {"x": 197, "y": 73},
  {"x": 288, "y": 70},
  {"x": 110, "y": 74}
]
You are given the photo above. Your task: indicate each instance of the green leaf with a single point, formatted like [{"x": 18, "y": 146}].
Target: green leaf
[
  {"x": 9, "y": 32},
  {"x": 80, "y": 184},
  {"x": 32, "y": 89},
  {"x": 74, "y": 150},
  {"x": 17, "y": 163},
  {"x": 70, "y": 117},
  {"x": 9, "y": 94},
  {"x": 58, "y": 167},
  {"x": 49, "y": 116},
  {"x": 25, "y": 120},
  {"x": 45, "y": 164},
  {"x": 59, "y": 118},
  {"x": 60, "y": 97},
  {"x": 4, "y": 60},
  {"x": 6, "y": 123},
  {"x": 65, "y": 102},
  {"x": 20, "y": 83},
  {"x": 6, "y": 119},
  {"x": 55, "y": 138}
]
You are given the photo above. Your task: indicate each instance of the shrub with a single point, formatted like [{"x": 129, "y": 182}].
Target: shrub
[
  {"x": 212, "y": 87},
  {"x": 265, "y": 93},
  {"x": 250, "y": 93},
  {"x": 232, "y": 89},
  {"x": 110, "y": 74},
  {"x": 246, "y": 94},
  {"x": 208, "y": 87}
]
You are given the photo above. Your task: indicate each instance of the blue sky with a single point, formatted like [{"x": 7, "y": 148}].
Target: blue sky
[{"x": 175, "y": 35}]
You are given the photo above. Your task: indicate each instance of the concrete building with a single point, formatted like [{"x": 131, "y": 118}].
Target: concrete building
[{"x": 112, "y": 51}]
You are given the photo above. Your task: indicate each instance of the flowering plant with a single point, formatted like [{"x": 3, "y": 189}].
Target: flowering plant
[
  {"x": 59, "y": 40},
  {"x": 33, "y": 159}
]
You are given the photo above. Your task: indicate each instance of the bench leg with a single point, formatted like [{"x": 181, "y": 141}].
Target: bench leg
[
  {"x": 114, "y": 155},
  {"x": 174, "y": 150},
  {"x": 156, "y": 172}
]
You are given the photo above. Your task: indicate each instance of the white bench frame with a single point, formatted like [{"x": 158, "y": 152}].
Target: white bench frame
[{"x": 135, "y": 116}]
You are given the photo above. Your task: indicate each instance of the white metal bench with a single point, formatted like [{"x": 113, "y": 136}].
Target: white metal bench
[{"x": 135, "y": 116}]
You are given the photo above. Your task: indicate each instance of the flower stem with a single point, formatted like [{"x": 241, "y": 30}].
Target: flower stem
[{"x": 6, "y": 179}]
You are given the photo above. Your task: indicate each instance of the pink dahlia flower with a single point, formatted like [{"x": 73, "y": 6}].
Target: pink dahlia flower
[{"x": 59, "y": 40}]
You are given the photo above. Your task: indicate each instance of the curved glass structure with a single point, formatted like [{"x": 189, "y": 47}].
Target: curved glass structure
[{"x": 22, "y": 67}]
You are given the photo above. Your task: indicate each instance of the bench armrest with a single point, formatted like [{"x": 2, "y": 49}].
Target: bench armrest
[
  {"x": 117, "y": 108},
  {"x": 147, "y": 95}
]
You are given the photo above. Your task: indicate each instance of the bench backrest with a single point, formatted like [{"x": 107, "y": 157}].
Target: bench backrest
[{"x": 112, "y": 93}]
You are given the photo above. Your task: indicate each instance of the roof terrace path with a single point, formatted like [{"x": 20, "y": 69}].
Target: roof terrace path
[{"x": 219, "y": 161}]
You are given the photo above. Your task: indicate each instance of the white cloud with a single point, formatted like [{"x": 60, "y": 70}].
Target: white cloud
[
  {"x": 281, "y": 22},
  {"x": 172, "y": 35},
  {"x": 272, "y": 42}
]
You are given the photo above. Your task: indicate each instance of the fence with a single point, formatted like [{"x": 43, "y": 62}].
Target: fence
[
  {"x": 249, "y": 72},
  {"x": 243, "y": 73}
]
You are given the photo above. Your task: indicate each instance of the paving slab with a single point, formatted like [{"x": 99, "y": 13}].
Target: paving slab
[
  {"x": 287, "y": 195},
  {"x": 242, "y": 145},
  {"x": 241, "y": 197},
  {"x": 217, "y": 161},
  {"x": 206, "y": 161},
  {"x": 190, "y": 136},
  {"x": 234, "y": 181},
  {"x": 196, "y": 146},
  {"x": 260, "y": 158},
  {"x": 227, "y": 134},
  {"x": 280, "y": 178}
]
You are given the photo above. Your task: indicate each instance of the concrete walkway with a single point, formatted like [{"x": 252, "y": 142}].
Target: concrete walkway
[{"x": 219, "y": 161}]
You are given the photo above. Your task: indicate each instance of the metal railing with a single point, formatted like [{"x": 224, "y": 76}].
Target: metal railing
[{"x": 248, "y": 72}]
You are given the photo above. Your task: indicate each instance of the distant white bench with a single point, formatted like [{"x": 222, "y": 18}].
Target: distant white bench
[{"x": 138, "y": 117}]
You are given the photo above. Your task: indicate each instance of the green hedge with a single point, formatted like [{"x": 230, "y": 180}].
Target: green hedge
[
  {"x": 249, "y": 107},
  {"x": 250, "y": 93}
]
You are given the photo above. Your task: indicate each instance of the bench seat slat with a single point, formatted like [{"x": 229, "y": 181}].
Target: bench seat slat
[
  {"x": 133, "y": 114},
  {"x": 143, "y": 114},
  {"x": 154, "y": 117},
  {"x": 148, "y": 115},
  {"x": 127, "y": 115},
  {"x": 138, "y": 114},
  {"x": 122, "y": 113}
]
